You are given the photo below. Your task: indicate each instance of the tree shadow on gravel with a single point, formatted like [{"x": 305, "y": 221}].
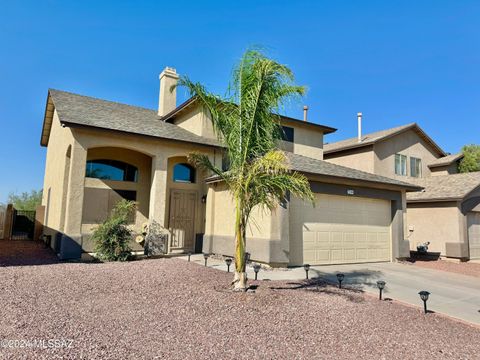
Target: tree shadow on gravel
[
  {"x": 354, "y": 279},
  {"x": 318, "y": 285}
]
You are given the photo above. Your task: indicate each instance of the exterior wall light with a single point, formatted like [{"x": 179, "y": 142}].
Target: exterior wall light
[
  {"x": 228, "y": 261},
  {"x": 306, "y": 267},
  {"x": 256, "y": 268},
  {"x": 205, "y": 256},
  {"x": 340, "y": 278},
  {"x": 424, "y": 296},
  {"x": 381, "y": 286}
]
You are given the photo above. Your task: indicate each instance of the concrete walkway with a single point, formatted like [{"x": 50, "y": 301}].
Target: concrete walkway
[{"x": 451, "y": 294}]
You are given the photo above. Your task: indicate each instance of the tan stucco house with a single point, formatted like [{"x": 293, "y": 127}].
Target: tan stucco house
[
  {"x": 446, "y": 212},
  {"x": 100, "y": 151}
]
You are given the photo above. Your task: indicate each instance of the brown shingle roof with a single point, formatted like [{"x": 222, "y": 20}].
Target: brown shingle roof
[
  {"x": 79, "y": 110},
  {"x": 309, "y": 165},
  {"x": 446, "y": 160},
  {"x": 381, "y": 135},
  {"x": 445, "y": 187},
  {"x": 312, "y": 166}
]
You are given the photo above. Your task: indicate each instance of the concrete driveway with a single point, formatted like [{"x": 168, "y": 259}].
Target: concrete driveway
[{"x": 451, "y": 294}]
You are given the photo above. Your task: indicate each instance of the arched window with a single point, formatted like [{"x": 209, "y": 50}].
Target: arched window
[
  {"x": 183, "y": 173},
  {"x": 111, "y": 170}
]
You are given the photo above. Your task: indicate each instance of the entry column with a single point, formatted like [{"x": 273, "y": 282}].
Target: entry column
[{"x": 158, "y": 190}]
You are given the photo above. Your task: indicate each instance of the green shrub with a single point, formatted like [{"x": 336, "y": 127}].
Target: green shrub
[{"x": 111, "y": 238}]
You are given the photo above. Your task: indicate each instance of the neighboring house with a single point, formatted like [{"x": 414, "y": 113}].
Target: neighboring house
[
  {"x": 100, "y": 151},
  {"x": 447, "y": 212}
]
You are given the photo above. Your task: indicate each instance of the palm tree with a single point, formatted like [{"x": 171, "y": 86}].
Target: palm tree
[{"x": 246, "y": 123}]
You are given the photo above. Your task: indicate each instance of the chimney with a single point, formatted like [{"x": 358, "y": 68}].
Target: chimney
[
  {"x": 359, "y": 119},
  {"x": 305, "y": 111},
  {"x": 167, "y": 99}
]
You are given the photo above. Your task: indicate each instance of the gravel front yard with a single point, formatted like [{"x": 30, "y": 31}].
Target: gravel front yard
[
  {"x": 465, "y": 268},
  {"x": 172, "y": 309}
]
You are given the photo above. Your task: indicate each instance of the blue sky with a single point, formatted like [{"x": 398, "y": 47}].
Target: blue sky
[{"x": 396, "y": 61}]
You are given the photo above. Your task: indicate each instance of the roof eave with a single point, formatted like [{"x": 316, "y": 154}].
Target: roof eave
[
  {"x": 408, "y": 188},
  {"x": 47, "y": 116},
  {"x": 444, "y": 199},
  {"x": 415, "y": 126},
  {"x": 75, "y": 125}
]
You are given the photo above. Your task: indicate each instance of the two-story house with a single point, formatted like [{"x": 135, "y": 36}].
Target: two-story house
[
  {"x": 446, "y": 213},
  {"x": 100, "y": 151}
]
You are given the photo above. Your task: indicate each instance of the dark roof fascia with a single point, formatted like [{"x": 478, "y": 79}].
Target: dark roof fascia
[
  {"x": 427, "y": 200},
  {"x": 42, "y": 143}
]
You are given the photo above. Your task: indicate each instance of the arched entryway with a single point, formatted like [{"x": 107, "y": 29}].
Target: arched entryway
[
  {"x": 113, "y": 174},
  {"x": 186, "y": 210}
]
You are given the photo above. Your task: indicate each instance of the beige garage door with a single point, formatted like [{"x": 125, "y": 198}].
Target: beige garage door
[
  {"x": 474, "y": 234},
  {"x": 343, "y": 229}
]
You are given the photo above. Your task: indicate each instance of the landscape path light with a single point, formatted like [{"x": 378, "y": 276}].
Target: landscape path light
[
  {"x": 189, "y": 254},
  {"x": 306, "y": 267},
  {"x": 381, "y": 286},
  {"x": 340, "y": 278},
  {"x": 256, "y": 268},
  {"x": 228, "y": 261},
  {"x": 424, "y": 296},
  {"x": 205, "y": 256}
]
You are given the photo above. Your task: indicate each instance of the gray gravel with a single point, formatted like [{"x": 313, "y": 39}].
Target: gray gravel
[{"x": 172, "y": 309}]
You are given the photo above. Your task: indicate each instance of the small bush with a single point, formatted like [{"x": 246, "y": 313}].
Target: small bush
[{"x": 111, "y": 238}]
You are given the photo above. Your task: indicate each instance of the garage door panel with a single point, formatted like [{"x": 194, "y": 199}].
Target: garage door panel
[
  {"x": 336, "y": 254},
  {"x": 473, "y": 220},
  {"x": 357, "y": 230},
  {"x": 322, "y": 255}
]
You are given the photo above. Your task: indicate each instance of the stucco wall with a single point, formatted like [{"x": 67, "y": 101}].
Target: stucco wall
[
  {"x": 444, "y": 170},
  {"x": 439, "y": 223},
  {"x": 308, "y": 142},
  {"x": 56, "y": 178},
  {"x": 267, "y": 235},
  {"x": 196, "y": 121},
  {"x": 407, "y": 143},
  {"x": 360, "y": 159}
]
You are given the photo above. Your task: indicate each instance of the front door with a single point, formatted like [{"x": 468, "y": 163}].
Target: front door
[{"x": 182, "y": 219}]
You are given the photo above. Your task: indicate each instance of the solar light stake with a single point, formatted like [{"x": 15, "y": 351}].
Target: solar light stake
[
  {"x": 205, "y": 256},
  {"x": 228, "y": 261},
  {"x": 424, "y": 296},
  {"x": 256, "y": 268},
  {"x": 381, "y": 286},
  {"x": 306, "y": 267},
  {"x": 340, "y": 278},
  {"x": 189, "y": 254}
]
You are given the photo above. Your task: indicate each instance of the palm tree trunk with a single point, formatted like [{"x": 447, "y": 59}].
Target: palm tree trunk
[{"x": 240, "y": 278}]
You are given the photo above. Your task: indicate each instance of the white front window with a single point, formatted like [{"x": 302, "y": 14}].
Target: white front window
[{"x": 400, "y": 164}]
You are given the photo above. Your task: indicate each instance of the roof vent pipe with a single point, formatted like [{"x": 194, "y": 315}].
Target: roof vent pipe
[
  {"x": 359, "y": 118},
  {"x": 305, "y": 111}
]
